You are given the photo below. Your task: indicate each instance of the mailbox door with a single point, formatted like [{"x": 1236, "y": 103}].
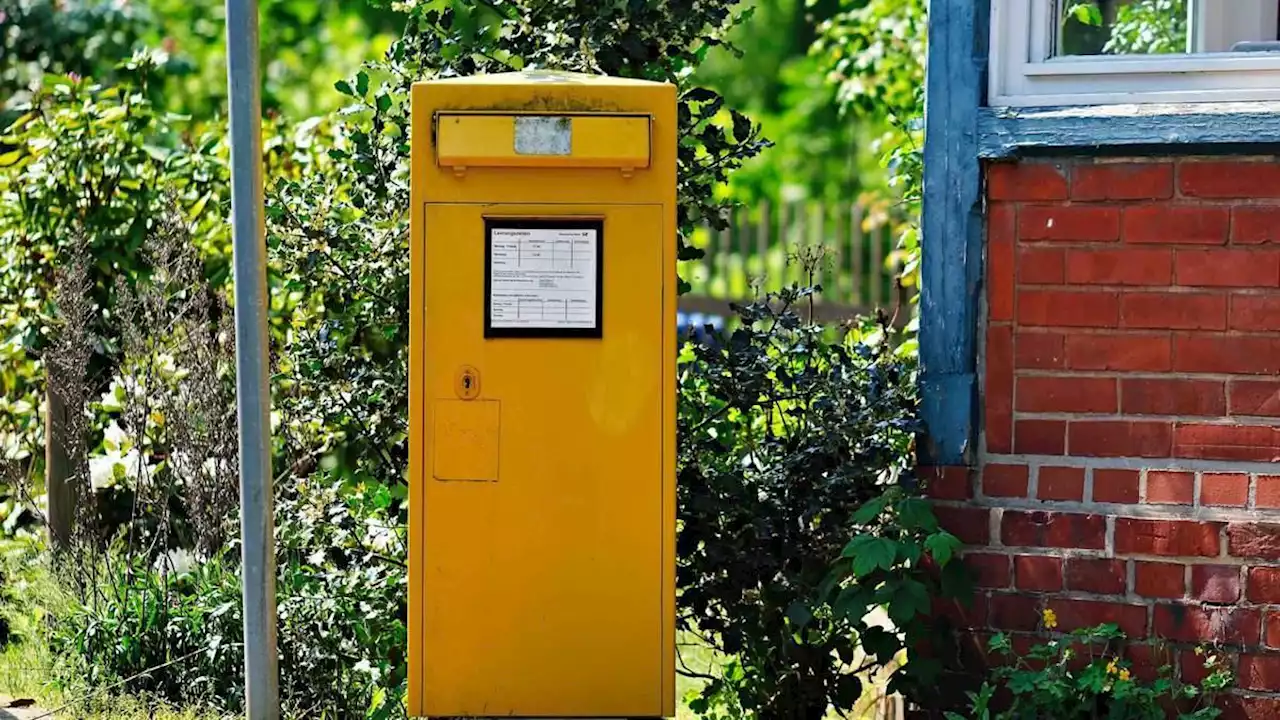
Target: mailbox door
[{"x": 543, "y": 501}]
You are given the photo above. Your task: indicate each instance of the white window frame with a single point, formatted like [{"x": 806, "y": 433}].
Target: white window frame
[{"x": 1023, "y": 72}]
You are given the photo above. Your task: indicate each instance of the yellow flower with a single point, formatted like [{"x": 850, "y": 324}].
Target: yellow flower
[
  {"x": 1111, "y": 668},
  {"x": 1124, "y": 675},
  {"x": 1050, "y": 619}
]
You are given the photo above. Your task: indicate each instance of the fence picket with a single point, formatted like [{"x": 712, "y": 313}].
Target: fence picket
[{"x": 760, "y": 248}]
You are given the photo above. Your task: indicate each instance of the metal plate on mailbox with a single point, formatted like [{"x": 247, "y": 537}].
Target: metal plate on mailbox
[{"x": 542, "y": 135}]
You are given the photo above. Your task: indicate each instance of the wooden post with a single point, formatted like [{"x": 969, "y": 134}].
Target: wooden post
[{"x": 58, "y": 469}]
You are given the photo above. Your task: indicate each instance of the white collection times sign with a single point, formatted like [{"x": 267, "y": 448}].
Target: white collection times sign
[{"x": 543, "y": 280}]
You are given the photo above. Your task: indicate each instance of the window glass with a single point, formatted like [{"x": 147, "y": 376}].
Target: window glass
[{"x": 1163, "y": 27}]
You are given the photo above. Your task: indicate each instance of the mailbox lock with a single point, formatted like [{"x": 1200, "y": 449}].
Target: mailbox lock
[{"x": 467, "y": 385}]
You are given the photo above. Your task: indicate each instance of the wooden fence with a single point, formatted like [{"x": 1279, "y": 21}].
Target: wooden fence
[{"x": 768, "y": 246}]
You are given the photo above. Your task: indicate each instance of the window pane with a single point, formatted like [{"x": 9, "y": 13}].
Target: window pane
[{"x": 1162, "y": 27}]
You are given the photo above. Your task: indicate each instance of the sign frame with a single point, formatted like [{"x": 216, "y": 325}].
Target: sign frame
[{"x": 491, "y": 223}]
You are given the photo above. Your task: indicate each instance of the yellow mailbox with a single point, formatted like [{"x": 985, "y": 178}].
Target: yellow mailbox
[{"x": 542, "y": 397}]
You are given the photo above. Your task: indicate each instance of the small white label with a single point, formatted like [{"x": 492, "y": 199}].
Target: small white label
[
  {"x": 543, "y": 278},
  {"x": 540, "y": 135}
]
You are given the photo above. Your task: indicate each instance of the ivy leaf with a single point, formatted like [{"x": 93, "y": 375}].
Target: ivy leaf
[
  {"x": 741, "y": 126},
  {"x": 799, "y": 615},
  {"x": 917, "y": 514},
  {"x": 700, "y": 95},
  {"x": 869, "y": 511},
  {"x": 344, "y": 87},
  {"x": 876, "y": 553},
  {"x": 942, "y": 546},
  {"x": 362, "y": 83}
]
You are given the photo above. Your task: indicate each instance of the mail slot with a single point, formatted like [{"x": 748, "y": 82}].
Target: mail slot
[
  {"x": 542, "y": 397},
  {"x": 542, "y": 140}
]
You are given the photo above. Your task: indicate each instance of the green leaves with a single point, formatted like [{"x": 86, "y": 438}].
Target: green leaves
[
  {"x": 942, "y": 547},
  {"x": 870, "y": 553},
  {"x": 1087, "y": 13}
]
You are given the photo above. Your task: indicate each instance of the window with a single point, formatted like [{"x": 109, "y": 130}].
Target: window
[{"x": 1093, "y": 52}]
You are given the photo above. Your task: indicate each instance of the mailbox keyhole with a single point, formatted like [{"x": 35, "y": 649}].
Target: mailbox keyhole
[{"x": 467, "y": 383}]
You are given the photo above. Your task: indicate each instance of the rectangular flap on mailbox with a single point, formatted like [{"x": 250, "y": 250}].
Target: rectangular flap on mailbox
[{"x": 585, "y": 141}]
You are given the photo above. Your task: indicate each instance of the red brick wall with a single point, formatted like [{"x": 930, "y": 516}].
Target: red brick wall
[{"x": 1131, "y": 405}]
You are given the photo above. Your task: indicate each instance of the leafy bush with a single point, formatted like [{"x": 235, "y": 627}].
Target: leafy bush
[
  {"x": 799, "y": 514},
  {"x": 1084, "y": 675}
]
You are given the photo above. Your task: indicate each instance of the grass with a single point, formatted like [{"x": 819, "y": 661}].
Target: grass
[{"x": 27, "y": 665}]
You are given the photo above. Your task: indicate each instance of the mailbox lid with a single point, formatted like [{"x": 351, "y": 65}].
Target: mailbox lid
[{"x": 480, "y": 139}]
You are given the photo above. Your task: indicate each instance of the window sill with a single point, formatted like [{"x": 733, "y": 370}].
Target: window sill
[{"x": 1005, "y": 132}]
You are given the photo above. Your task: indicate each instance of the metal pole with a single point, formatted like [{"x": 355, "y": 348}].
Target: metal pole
[{"x": 253, "y": 393}]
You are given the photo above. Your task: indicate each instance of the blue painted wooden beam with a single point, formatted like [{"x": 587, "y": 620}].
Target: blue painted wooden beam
[
  {"x": 952, "y": 230},
  {"x": 1171, "y": 128}
]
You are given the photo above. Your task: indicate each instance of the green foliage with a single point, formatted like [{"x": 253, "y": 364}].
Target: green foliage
[
  {"x": 101, "y": 163},
  {"x": 1143, "y": 27},
  {"x": 873, "y": 52},
  {"x": 798, "y": 513},
  {"x": 88, "y": 38},
  {"x": 1084, "y": 675}
]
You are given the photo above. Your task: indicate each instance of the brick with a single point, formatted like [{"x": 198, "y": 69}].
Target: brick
[
  {"x": 1254, "y": 540},
  {"x": 1255, "y": 313},
  {"x": 1122, "y": 181},
  {"x": 1061, "y": 483},
  {"x": 1264, "y": 585},
  {"x": 998, "y": 389},
  {"x": 1260, "y": 672},
  {"x": 1271, "y": 630},
  {"x": 1054, "y": 308},
  {"x": 1076, "y": 614},
  {"x": 1039, "y": 351},
  {"x": 1000, "y": 268},
  {"x": 1193, "y": 624},
  {"x": 1140, "y": 396},
  {"x": 947, "y": 483},
  {"x": 1115, "y": 486},
  {"x": 1026, "y": 181},
  {"x": 1041, "y": 266},
  {"x": 1224, "y": 489},
  {"x": 1069, "y": 223},
  {"x": 1014, "y": 612},
  {"x": 1226, "y": 354},
  {"x": 1038, "y": 573},
  {"x": 990, "y": 570},
  {"x": 1255, "y": 397},
  {"x": 971, "y": 525},
  {"x": 972, "y": 614},
  {"x": 1173, "y": 311},
  {"x": 1174, "y": 225},
  {"x": 1230, "y": 179},
  {"x": 1267, "y": 493},
  {"x": 1159, "y": 580},
  {"x": 1146, "y": 660},
  {"x": 1238, "y": 707},
  {"x": 1136, "y": 536},
  {"x": 1053, "y": 529},
  {"x": 1218, "y": 584},
  {"x": 1170, "y": 487},
  {"x": 1226, "y": 442},
  {"x": 1255, "y": 225},
  {"x": 1106, "y": 438},
  {"x": 1004, "y": 481},
  {"x": 1067, "y": 395},
  {"x": 1095, "y": 575},
  {"x": 1129, "y": 266},
  {"x": 1130, "y": 351},
  {"x": 1040, "y": 437},
  {"x": 1228, "y": 268}
]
